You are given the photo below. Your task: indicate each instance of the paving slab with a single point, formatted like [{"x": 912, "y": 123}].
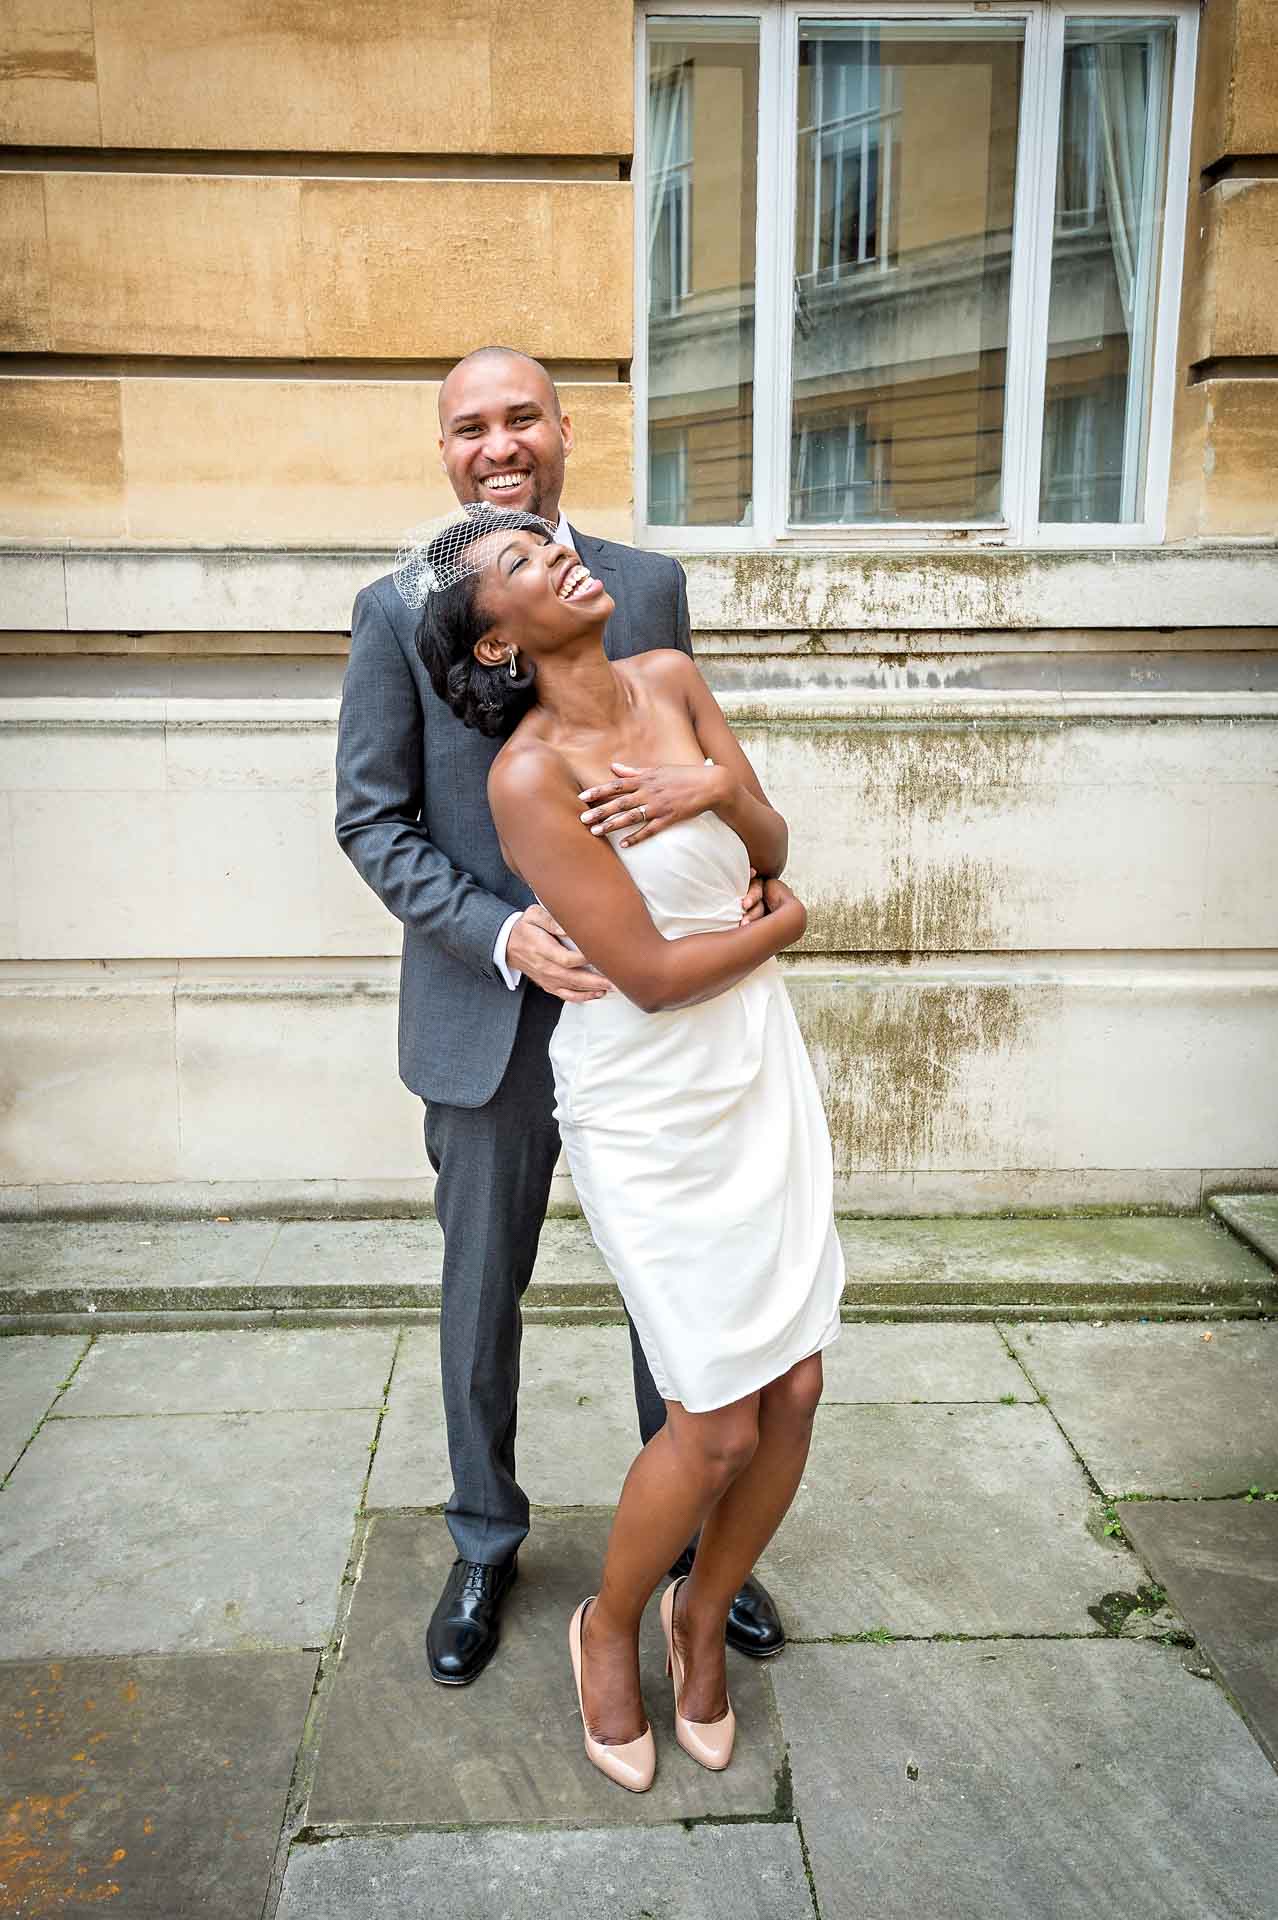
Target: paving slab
[
  {"x": 1218, "y": 1560},
  {"x": 921, "y": 1362},
  {"x": 32, "y": 1368},
  {"x": 257, "y": 1370},
  {"x": 395, "y": 1749},
  {"x": 1061, "y": 1778},
  {"x": 752, "y": 1871},
  {"x": 932, "y": 1519},
  {"x": 147, "y": 1787},
  {"x": 179, "y": 1533},
  {"x": 1253, "y": 1217},
  {"x": 1179, "y": 1409},
  {"x": 578, "y": 1429}
]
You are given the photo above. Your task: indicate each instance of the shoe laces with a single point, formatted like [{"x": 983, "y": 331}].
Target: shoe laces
[{"x": 477, "y": 1577}]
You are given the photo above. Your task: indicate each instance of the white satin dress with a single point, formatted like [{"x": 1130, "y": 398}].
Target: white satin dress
[{"x": 699, "y": 1148}]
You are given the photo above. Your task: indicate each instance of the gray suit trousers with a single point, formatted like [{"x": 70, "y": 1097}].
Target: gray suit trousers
[{"x": 494, "y": 1165}]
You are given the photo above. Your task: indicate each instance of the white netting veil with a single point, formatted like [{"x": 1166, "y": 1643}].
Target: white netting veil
[{"x": 441, "y": 552}]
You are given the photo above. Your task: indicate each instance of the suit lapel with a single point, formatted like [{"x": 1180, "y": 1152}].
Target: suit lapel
[{"x": 603, "y": 563}]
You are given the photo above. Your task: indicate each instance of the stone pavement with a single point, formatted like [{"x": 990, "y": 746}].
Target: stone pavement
[{"x": 1029, "y": 1580}]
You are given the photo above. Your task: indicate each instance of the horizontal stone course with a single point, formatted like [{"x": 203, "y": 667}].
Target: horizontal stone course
[
  {"x": 264, "y": 266},
  {"x": 335, "y": 462},
  {"x": 387, "y": 76}
]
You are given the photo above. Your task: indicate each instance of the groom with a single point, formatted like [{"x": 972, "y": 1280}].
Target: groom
[{"x": 485, "y": 971}]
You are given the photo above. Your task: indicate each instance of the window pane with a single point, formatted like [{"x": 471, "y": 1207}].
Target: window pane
[
  {"x": 1106, "y": 247},
  {"x": 703, "y": 114},
  {"x": 906, "y": 181}
]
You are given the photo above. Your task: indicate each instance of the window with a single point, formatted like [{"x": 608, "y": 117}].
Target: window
[{"x": 911, "y": 269}]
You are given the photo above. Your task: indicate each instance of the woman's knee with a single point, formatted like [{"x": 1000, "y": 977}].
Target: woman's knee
[
  {"x": 796, "y": 1396},
  {"x": 724, "y": 1442}
]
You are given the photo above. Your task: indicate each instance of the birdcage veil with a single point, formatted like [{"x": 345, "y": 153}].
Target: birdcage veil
[{"x": 441, "y": 552}]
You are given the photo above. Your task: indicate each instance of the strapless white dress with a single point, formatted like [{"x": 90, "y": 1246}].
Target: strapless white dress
[{"x": 699, "y": 1149}]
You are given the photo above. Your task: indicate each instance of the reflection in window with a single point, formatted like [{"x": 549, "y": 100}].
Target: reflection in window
[
  {"x": 907, "y": 136},
  {"x": 702, "y": 138},
  {"x": 1110, "y": 191},
  {"x": 841, "y": 152},
  {"x": 1083, "y": 454},
  {"x": 670, "y": 190},
  {"x": 668, "y": 480},
  {"x": 841, "y": 472}
]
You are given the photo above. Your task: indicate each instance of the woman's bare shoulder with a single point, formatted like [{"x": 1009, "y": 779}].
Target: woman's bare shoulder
[
  {"x": 528, "y": 768},
  {"x": 661, "y": 663}
]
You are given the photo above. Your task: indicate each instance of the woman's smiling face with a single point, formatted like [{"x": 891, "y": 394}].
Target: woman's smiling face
[{"x": 534, "y": 593}]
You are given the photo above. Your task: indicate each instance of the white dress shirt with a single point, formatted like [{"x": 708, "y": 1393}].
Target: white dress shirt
[{"x": 512, "y": 975}]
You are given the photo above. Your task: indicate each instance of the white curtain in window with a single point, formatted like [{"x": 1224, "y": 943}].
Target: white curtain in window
[
  {"x": 1130, "y": 81},
  {"x": 1121, "y": 78},
  {"x": 665, "y": 103}
]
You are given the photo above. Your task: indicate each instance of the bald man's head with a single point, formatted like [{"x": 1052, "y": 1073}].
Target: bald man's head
[{"x": 503, "y": 436}]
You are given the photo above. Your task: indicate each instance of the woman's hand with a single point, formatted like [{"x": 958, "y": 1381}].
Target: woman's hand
[
  {"x": 781, "y": 900},
  {"x": 649, "y": 799}
]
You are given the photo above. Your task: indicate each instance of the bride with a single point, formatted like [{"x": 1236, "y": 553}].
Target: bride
[{"x": 686, "y": 1102}]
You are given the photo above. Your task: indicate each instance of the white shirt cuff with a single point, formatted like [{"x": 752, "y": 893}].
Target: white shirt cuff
[{"x": 512, "y": 976}]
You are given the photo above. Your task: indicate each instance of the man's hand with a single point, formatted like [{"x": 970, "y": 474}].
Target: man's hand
[
  {"x": 752, "y": 906},
  {"x": 539, "y": 947}
]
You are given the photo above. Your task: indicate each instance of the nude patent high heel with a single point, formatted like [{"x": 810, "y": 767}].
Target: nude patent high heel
[
  {"x": 709, "y": 1741},
  {"x": 631, "y": 1764}
]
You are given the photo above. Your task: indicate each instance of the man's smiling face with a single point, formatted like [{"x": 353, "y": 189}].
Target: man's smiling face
[{"x": 502, "y": 437}]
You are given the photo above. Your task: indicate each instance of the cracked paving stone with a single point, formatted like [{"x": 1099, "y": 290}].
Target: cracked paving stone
[
  {"x": 1218, "y": 1560},
  {"x": 1163, "y": 1409},
  {"x": 32, "y": 1368},
  {"x": 258, "y": 1370},
  {"x": 396, "y": 1749},
  {"x": 578, "y": 1430},
  {"x": 1062, "y": 1778},
  {"x": 934, "y": 1519},
  {"x": 151, "y": 1787},
  {"x": 179, "y": 1533},
  {"x": 740, "y": 1872}
]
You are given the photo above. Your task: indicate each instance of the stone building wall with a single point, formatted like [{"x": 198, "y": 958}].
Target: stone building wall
[{"x": 1033, "y": 795}]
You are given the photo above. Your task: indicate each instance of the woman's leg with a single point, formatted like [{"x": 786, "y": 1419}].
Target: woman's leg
[
  {"x": 736, "y": 1531},
  {"x": 672, "y": 1485}
]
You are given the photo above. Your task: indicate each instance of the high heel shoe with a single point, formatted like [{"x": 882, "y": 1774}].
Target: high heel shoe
[
  {"x": 709, "y": 1741},
  {"x": 631, "y": 1764}
]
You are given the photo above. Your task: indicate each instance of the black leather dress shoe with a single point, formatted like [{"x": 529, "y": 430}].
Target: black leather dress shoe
[
  {"x": 754, "y": 1625},
  {"x": 463, "y": 1632}
]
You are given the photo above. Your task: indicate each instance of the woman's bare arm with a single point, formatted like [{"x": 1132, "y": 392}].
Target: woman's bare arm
[{"x": 587, "y": 888}]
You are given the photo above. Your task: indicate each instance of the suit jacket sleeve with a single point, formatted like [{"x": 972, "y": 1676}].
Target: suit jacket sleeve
[
  {"x": 381, "y": 799},
  {"x": 683, "y": 620}
]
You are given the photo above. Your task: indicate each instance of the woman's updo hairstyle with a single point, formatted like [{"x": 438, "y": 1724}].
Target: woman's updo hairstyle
[{"x": 490, "y": 699}]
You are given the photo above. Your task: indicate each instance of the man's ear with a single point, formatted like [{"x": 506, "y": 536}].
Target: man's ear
[{"x": 565, "y": 427}]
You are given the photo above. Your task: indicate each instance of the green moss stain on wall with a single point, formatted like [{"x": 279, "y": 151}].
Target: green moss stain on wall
[
  {"x": 889, "y": 1059},
  {"x": 940, "y": 908}
]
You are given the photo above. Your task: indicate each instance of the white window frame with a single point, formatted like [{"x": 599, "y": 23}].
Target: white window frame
[{"x": 1033, "y": 224}]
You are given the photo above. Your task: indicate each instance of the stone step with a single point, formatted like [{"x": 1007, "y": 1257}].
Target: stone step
[
  {"x": 1253, "y": 1217},
  {"x": 964, "y": 1268}
]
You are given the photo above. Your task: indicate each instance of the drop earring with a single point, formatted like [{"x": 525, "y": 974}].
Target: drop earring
[{"x": 514, "y": 670}]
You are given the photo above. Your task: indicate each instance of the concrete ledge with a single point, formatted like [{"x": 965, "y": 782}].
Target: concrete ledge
[
  {"x": 1143, "y": 1265},
  {"x": 279, "y": 590}
]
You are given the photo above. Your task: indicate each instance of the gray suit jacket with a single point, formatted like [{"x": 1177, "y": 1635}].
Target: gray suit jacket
[{"x": 412, "y": 814}]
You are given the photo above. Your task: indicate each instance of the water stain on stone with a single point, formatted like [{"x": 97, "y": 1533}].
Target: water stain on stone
[
  {"x": 889, "y": 1059},
  {"x": 937, "y": 908}
]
